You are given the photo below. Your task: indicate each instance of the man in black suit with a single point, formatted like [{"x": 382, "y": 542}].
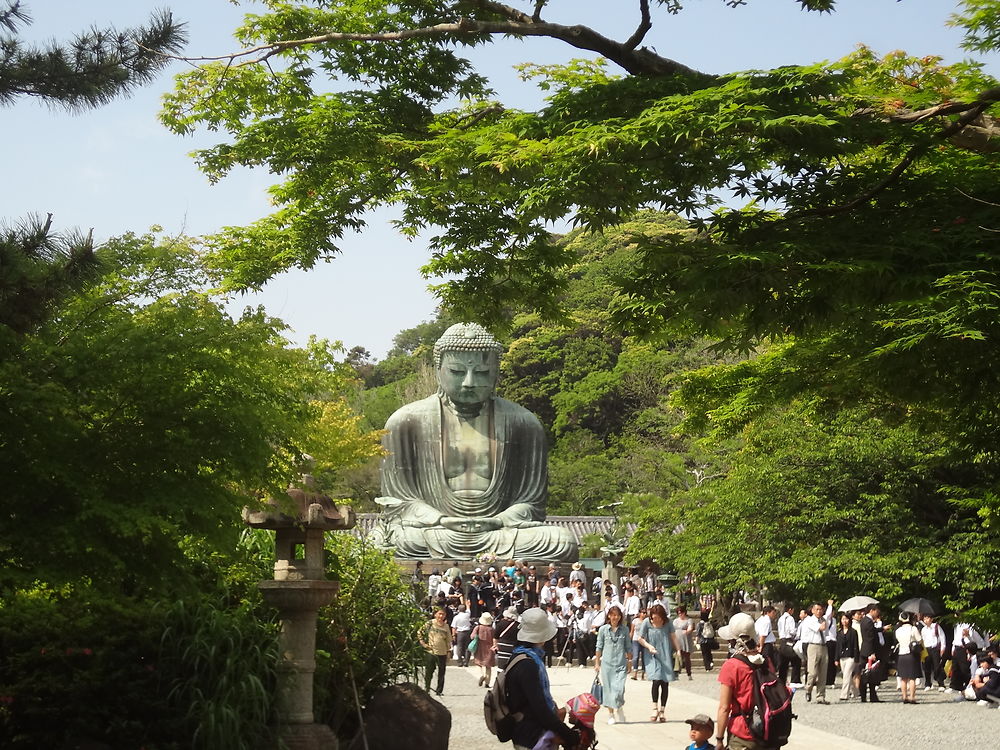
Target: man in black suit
[{"x": 870, "y": 647}]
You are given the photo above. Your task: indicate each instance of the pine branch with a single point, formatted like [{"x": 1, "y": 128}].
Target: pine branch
[{"x": 94, "y": 68}]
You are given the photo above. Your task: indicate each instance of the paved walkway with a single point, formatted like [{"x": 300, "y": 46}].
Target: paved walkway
[{"x": 463, "y": 697}]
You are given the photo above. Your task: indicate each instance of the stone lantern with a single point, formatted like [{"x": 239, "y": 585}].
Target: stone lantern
[{"x": 298, "y": 591}]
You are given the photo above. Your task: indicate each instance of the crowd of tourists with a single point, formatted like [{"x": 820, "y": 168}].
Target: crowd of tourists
[
  {"x": 621, "y": 630},
  {"x": 625, "y": 630},
  {"x": 811, "y": 647}
]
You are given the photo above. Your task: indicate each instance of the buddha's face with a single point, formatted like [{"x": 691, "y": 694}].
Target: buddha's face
[{"x": 468, "y": 378}]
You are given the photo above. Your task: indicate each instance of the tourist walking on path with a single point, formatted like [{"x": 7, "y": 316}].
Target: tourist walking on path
[
  {"x": 611, "y": 662},
  {"x": 505, "y": 630},
  {"x": 656, "y": 636},
  {"x": 684, "y": 630},
  {"x": 527, "y": 684},
  {"x": 848, "y": 647},
  {"x": 485, "y": 655},
  {"x": 736, "y": 685},
  {"x": 935, "y": 645},
  {"x": 461, "y": 625},
  {"x": 436, "y": 638},
  {"x": 870, "y": 654},
  {"x": 814, "y": 638},
  {"x": 704, "y": 636},
  {"x": 638, "y": 653},
  {"x": 908, "y": 662}
]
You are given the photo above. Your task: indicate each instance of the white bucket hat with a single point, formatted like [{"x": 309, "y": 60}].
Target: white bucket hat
[
  {"x": 535, "y": 626},
  {"x": 485, "y": 619},
  {"x": 739, "y": 624},
  {"x": 510, "y": 613}
]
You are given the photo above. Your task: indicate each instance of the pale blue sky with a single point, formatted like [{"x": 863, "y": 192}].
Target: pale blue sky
[{"x": 116, "y": 169}]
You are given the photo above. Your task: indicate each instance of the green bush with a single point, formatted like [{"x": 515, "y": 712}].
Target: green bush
[{"x": 367, "y": 638}]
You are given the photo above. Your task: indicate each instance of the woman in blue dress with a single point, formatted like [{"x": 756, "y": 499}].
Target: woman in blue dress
[
  {"x": 656, "y": 635},
  {"x": 613, "y": 654}
]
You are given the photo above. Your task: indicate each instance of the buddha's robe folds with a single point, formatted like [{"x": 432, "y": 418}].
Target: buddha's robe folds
[{"x": 413, "y": 473}]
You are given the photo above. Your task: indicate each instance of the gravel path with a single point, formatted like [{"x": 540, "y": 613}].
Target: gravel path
[{"x": 934, "y": 723}]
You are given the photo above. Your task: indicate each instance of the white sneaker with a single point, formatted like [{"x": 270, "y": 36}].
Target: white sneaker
[
  {"x": 928, "y": 688},
  {"x": 948, "y": 690},
  {"x": 944, "y": 690},
  {"x": 984, "y": 704},
  {"x": 621, "y": 716},
  {"x": 611, "y": 721}
]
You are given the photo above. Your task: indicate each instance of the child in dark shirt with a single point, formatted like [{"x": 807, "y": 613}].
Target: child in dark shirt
[{"x": 702, "y": 728}]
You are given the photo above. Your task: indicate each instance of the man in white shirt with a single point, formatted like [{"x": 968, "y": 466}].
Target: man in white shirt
[
  {"x": 764, "y": 627},
  {"x": 813, "y": 631},
  {"x": 461, "y": 628},
  {"x": 934, "y": 641},
  {"x": 831, "y": 644},
  {"x": 785, "y": 646}
]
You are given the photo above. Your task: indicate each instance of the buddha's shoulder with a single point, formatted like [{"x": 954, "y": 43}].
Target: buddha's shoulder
[{"x": 414, "y": 412}]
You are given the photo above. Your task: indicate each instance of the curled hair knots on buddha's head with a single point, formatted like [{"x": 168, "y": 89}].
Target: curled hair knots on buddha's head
[{"x": 466, "y": 337}]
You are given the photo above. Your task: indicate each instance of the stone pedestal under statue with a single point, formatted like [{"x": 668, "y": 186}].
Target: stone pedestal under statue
[{"x": 298, "y": 591}]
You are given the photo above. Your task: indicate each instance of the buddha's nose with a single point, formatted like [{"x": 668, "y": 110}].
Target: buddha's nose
[{"x": 468, "y": 381}]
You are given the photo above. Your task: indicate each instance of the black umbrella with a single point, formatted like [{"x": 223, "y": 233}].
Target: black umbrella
[{"x": 918, "y": 605}]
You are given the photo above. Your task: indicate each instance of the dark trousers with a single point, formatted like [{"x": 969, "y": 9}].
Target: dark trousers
[
  {"x": 933, "y": 668},
  {"x": 435, "y": 662},
  {"x": 661, "y": 687},
  {"x": 831, "y": 668},
  {"x": 787, "y": 657},
  {"x": 686, "y": 662},
  {"x": 462, "y": 638},
  {"x": 960, "y": 675},
  {"x": 706, "y": 655},
  {"x": 869, "y": 681}
]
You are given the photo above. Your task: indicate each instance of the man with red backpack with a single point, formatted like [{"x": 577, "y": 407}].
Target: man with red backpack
[{"x": 754, "y": 706}]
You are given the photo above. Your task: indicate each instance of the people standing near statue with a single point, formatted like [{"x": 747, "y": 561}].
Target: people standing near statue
[
  {"x": 611, "y": 661},
  {"x": 936, "y": 647},
  {"x": 505, "y": 632},
  {"x": 657, "y": 638},
  {"x": 706, "y": 641},
  {"x": 870, "y": 654},
  {"x": 466, "y": 470},
  {"x": 764, "y": 627},
  {"x": 908, "y": 656},
  {"x": 461, "y": 624},
  {"x": 527, "y": 682},
  {"x": 638, "y": 653},
  {"x": 784, "y": 647},
  {"x": 848, "y": 648},
  {"x": 485, "y": 655},
  {"x": 435, "y": 637},
  {"x": 684, "y": 629},
  {"x": 814, "y": 639}
]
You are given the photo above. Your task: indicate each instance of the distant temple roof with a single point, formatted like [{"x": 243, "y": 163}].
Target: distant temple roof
[{"x": 578, "y": 526}]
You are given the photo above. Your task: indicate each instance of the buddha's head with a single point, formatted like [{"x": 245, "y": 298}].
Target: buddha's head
[{"x": 467, "y": 361}]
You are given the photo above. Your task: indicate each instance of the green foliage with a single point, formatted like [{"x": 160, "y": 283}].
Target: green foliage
[
  {"x": 817, "y": 504},
  {"x": 368, "y": 636},
  {"x": 79, "y": 665},
  {"x": 222, "y": 663},
  {"x": 140, "y": 412}
]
